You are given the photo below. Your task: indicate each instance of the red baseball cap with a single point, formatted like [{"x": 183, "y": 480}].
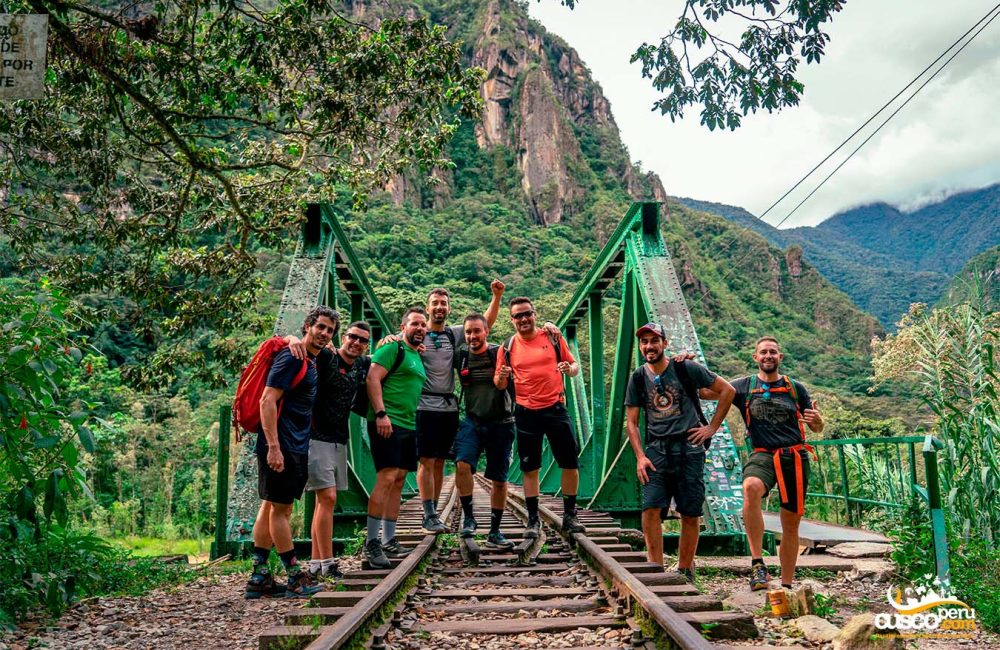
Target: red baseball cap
[{"x": 652, "y": 328}]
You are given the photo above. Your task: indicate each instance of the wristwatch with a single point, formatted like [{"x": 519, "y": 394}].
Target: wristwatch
[{"x": 379, "y": 414}]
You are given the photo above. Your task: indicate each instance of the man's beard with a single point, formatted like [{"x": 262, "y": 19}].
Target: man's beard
[
  {"x": 657, "y": 359},
  {"x": 411, "y": 339},
  {"x": 761, "y": 364}
]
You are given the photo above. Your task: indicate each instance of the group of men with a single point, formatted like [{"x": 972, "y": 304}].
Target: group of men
[{"x": 406, "y": 391}]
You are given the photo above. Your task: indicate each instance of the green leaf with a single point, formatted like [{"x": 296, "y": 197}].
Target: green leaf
[{"x": 86, "y": 438}]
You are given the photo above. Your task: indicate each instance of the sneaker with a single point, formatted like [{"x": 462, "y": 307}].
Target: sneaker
[
  {"x": 329, "y": 572},
  {"x": 571, "y": 524},
  {"x": 688, "y": 574},
  {"x": 302, "y": 585},
  {"x": 432, "y": 525},
  {"x": 534, "y": 529},
  {"x": 498, "y": 541},
  {"x": 393, "y": 548},
  {"x": 759, "y": 577},
  {"x": 262, "y": 585},
  {"x": 469, "y": 527},
  {"x": 375, "y": 555}
]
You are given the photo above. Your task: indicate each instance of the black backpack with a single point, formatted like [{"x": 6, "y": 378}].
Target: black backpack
[{"x": 361, "y": 402}]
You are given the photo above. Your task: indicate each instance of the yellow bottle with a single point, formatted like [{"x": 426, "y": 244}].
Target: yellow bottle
[{"x": 779, "y": 603}]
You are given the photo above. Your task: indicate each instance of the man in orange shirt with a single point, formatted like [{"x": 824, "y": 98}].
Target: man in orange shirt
[{"x": 537, "y": 363}]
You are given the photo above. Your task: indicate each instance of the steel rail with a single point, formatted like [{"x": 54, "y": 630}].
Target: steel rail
[
  {"x": 341, "y": 631},
  {"x": 678, "y": 629}
]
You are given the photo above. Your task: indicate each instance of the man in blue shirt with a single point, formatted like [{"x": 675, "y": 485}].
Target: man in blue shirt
[{"x": 282, "y": 456}]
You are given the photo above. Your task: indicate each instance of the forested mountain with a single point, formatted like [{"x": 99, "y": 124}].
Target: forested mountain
[
  {"x": 981, "y": 274},
  {"x": 539, "y": 183},
  {"x": 886, "y": 259}
]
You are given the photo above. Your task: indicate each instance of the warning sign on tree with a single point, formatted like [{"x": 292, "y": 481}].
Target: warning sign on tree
[{"x": 23, "y": 38}]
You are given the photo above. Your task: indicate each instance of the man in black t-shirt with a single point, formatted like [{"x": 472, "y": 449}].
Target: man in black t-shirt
[
  {"x": 488, "y": 425},
  {"x": 671, "y": 465},
  {"x": 342, "y": 373},
  {"x": 775, "y": 409},
  {"x": 282, "y": 456}
]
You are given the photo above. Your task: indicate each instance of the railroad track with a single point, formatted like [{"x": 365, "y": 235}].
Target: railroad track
[{"x": 590, "y": 590}]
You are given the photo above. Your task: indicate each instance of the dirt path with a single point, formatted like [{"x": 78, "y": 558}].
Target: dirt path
[{"x": 209, "y": 612}]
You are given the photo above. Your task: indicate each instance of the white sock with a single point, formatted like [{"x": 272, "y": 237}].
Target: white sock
[{"x": 316, "y": 566}]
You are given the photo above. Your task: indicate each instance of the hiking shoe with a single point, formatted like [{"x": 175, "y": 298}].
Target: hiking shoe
[
  {"x": 375, "y": 555},
  {"x": 498, "y": 541},
  {"x": 759, "y": 577},
  {"x": 393, "y": 548},
  {"x": 432, "y": 525},
  {"x": 534, "y": 529},
  {"x": 262, "y": 585},
  {"x": 302, "y": 585},
  {"x": 329, "y": 572},
  {"x": 571, "y": 524},
  {"x": 469, "y": 527},
  {"x": 688, "y": 574}
]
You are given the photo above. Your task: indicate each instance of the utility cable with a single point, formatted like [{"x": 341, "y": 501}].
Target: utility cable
[{"x": 990, "y": 16}]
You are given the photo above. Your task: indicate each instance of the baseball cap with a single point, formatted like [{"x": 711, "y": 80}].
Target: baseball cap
[{"x": 652, "y": 328}]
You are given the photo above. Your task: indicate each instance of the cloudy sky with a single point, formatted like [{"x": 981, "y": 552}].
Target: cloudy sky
[{"x": 945, "y": 140}]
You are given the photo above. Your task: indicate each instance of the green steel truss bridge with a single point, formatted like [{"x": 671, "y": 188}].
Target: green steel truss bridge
[{"x": 633, "y": 279}]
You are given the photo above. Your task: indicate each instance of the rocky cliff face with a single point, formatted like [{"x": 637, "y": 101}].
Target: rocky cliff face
[{"x": 539, "y": 101}]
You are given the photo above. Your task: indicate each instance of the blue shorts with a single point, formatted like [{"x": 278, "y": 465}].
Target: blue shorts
[
  {"x": 496, "y": 438},
  {"x": 679, "y": 475}
]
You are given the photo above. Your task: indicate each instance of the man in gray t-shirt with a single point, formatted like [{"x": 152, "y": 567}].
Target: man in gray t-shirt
[
  {"x": 671, "y": 465},
  {"x": 437, "y": 413}
]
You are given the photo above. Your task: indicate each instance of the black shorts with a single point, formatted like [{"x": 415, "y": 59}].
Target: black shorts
[
  {"x": 553, "y": 422},
  {"x": 679, "y": 475},
  {"x": 399, "y": 450},
  {"x": 285, "y": 486},
  {"x": 436, "y": 433},
  {"x": 496, "y": 438}
]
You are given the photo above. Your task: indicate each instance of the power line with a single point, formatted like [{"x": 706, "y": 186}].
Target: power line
[
  {"x": 989, "y": 17},
  {"x": 901, "y": 106}
]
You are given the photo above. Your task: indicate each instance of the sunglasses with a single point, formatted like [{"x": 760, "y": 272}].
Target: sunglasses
[
  {"x": 355, "y": 337},
  {"x": 658, "y": 384},
  {"x": 436, "y": 338},
  {"x": 523, "y": 314},
  {"x": 767, "y": 391}
]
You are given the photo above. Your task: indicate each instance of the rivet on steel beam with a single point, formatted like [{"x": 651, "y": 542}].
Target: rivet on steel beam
[
  {"x": 378, "y": 642},
  {"x": 637, "y": 639}
]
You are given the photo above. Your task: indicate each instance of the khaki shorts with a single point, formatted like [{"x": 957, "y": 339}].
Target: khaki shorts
[
  {"x": 327, "y": 466},
  {"x": 761, "y": 465}
]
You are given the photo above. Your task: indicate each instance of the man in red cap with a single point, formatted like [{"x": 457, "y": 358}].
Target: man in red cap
[{"x": 671, "y": 464}]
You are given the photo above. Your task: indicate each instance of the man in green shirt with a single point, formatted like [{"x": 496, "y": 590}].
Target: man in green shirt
[{"x": 394, "y": 386}]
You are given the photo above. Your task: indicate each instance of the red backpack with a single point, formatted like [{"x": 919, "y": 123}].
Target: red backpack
[{"x": 246, "y": 406}]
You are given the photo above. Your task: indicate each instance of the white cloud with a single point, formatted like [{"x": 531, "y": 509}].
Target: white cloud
[{"x": 943, "y": 141}]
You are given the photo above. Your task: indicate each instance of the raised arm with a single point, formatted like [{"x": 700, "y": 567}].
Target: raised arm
[{"x": 491, "y": 313}]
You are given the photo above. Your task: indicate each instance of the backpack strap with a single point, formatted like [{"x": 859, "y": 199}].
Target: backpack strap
[
  {"x": 508, "y": 347},
  {"x": 397, "y": 362},
  {"x": 689, "y": 389},
  {"x": 556, "y": 346}
]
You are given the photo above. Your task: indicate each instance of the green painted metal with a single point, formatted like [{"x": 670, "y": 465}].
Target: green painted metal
[
  {"x": 938, "y": 528},
  {"x": 634, "y": 274},
  {"x": 220, "y": 544},
  {"x": 324, "y": 270},
  {"x": 636, "y": 260}
]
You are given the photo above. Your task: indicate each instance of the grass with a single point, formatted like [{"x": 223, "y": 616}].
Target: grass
[{"x": 154, "y": 546}]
